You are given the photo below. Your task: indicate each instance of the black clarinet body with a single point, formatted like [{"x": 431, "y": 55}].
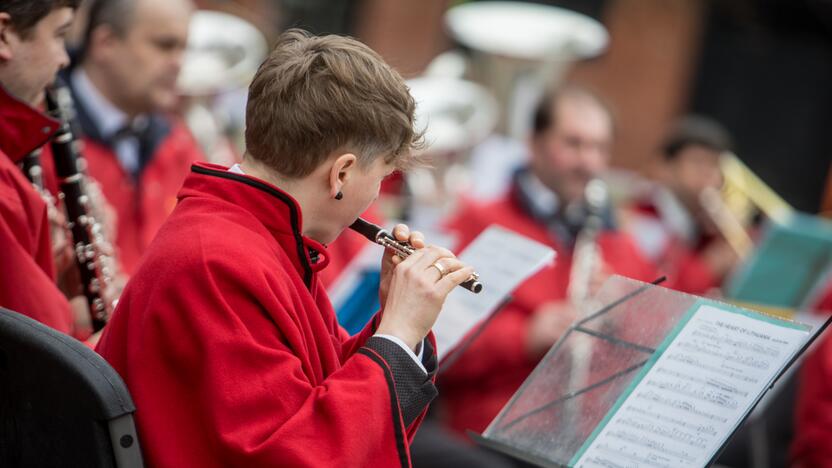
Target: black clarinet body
[
  {"x": 82, "y": 224},
  {"x": 32, "y": 169}
]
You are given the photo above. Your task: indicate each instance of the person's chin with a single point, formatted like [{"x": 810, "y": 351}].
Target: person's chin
[
  {"x": 329, "y": 237},
  {"x": 165, "y": 102},
  {"x": 37, "y": 101},
  {"x": 574, "y": 193}
]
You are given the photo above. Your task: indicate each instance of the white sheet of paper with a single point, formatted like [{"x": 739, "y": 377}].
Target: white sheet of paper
[
  {"x": 698, "y": 390},
  {"x": 503, "y": 259}
]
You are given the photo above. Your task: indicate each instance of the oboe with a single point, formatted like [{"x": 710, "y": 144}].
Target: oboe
[
  {"x": 83, "y": 226},
  {"x": 380, "y": 236}
]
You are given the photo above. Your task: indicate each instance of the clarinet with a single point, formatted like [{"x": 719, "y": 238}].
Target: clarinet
[
  {"x": 586, "y": 256},
  {"x": 586, "y": 260},
  {"x": 33, "y": 170},
  {"x": 380, "y": 236},
  {"x": 85, "y": 230}
]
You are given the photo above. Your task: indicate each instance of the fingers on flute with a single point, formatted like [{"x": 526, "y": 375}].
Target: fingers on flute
[
  {"x": 403, "y": 233},
  {"x": 450, "y": 264},
  {"x": 431, "y": 254},
  {"x": 417, "y": 240},
  {"x": 454, "y": 279}
]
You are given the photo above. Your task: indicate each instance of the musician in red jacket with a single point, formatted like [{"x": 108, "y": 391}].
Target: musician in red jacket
[
  {"x": 813, "y": 412},
  {"x": 669, "y": 223},
  {"x": 570, "y": 145},
  {"x": 225, "y": 336},
  {"x": 31, "y": 53},
  {"x": 124, "y": 88}
]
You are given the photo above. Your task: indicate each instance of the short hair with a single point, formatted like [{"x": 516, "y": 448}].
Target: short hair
[
  {"x": 317, "y": 94},
  {"x": 544, "y": 113},
  {"x": 117, "y": 14},
  {"x": 696, "y": 130},
  {"x": 25, "y": 14}
]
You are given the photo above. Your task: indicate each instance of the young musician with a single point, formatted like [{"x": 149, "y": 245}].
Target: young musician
[
  {"x": 569, "y": 146},
  {"x": 124, "y": 88},
  {"x": 671, "y": 225},
  {"x": 225, "y": 336},
  {"x": 31, "y": 53}
]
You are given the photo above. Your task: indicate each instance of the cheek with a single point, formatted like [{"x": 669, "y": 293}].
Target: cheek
[
  {"x": 697, "y": 179},
  {"x": 44, "y": 65},
  {"x": 137, "y": 64},
  {"x": 561, "y": 156},
  {"x": 371, "y": 193},
  {"x": 594, "y": 161}
]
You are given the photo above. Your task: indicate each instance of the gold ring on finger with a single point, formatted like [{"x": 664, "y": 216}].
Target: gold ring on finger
[{"x": 439, "y": 268}]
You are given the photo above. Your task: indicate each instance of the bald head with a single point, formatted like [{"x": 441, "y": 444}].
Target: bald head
[
  {"x": 120, "y": 15},
  {"x": 134, "y": 51},
  {"x": 571, "y": 140}
]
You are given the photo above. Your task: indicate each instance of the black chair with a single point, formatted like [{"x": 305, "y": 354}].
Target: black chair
[{"x": 61, "y": 404}]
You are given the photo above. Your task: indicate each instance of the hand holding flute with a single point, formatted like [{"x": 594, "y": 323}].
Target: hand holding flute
[
  {"x": 415, "y": 279},
  {"x": 403, "y": 248}
]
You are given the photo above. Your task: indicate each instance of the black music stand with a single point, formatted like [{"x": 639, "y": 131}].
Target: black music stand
[{"x": 589, "y": 374}]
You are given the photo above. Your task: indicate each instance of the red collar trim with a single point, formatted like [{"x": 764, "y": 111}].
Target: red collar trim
[{"x": 276, "y": 218}]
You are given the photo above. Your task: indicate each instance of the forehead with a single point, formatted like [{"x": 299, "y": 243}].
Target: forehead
[
  {"x": 695, "y": 152},
  {"x": 582, "y": 113},
  {"x": 169, "y": 17},
  {"x": 56, "y": 19}
]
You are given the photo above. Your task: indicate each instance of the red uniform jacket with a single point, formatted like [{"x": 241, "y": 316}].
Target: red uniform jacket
[
  {"x": 231, "y": 350},
  {"x": 812, "y": 445},
  {"x": 481, "y": 382},
  {"x": 141, "y": 204},
  {"x": 679, "y": 259},
  {"x": 825, "y": 302},
  {"x": 27, "y": 271}
]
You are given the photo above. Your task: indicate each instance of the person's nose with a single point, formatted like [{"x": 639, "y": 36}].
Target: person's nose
[
  {"x": 593, "y": 158},
  {"x": 63, "y": 58}
]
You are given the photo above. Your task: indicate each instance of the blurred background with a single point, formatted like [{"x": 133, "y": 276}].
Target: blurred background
[{"x": 760, "y": 67}]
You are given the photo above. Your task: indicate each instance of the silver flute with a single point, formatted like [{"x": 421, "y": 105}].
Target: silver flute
[{"x": 380, "y": 236}]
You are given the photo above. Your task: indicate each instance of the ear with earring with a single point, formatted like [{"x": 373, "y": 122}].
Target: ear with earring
[{"x": 339, "y": 195}]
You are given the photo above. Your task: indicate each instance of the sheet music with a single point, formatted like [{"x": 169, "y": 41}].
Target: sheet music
[
  {"x": 701, "y": 383},
  {"x": 503, "y": 259}
]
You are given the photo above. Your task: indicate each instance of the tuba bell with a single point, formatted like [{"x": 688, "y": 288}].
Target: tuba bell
[
  {"x": 222, "y": 56},
  {"x": 517, "y": 50},
  {"x": 455, "y": 115}
]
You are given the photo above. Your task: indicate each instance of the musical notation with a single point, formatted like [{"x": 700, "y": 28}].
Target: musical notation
[{"x": 683, "y": 405}]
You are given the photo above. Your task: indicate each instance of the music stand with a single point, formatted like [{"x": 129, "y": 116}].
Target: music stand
[{"x": 581, "y": 385}]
